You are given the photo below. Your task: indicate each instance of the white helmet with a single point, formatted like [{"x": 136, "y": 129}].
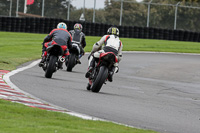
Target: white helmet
[{"x": 62, "y": 25}]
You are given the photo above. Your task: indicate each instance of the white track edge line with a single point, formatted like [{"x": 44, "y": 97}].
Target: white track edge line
[{"x": 7, "y": 76}]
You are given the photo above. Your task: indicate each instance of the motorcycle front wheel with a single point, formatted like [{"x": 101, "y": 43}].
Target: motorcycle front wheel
[
  {"x": 51, "y": 66},
  {"x": 100, "y": 79}
]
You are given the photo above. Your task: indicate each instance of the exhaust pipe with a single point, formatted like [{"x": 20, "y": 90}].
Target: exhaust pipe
[{"x": 61, "y": 59}]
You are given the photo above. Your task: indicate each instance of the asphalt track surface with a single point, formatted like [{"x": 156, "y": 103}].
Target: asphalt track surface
[{"x": 158, "y": 91}]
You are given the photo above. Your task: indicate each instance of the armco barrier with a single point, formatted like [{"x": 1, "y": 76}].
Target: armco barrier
[{"x": 45, "y": 25}]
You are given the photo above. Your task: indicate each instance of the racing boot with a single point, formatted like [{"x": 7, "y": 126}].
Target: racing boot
[
  {"x": 44, "y": 54},
  {"x": 41, "y": 64},
  {"x": 89, "y": 72},
  {"x": 78, "y": 61},
  {"x": 110, "y": 74},
  {"x": 90, "y": 69}
]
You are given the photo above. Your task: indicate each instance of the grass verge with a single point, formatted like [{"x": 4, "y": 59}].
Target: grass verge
[
  {"x": 18, "y": 48},
  {"x": 18, "y": 118}
]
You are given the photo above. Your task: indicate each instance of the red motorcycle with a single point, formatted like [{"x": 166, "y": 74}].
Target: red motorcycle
[
  {"x": 54, "y": 59},
  {"x": 101, "y": 70}
]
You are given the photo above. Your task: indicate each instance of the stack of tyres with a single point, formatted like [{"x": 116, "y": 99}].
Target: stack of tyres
[
  {"x": 151, "y": 33},
  {"x": 191, "y": 38},
  {"x": 5, "y": 23},
  {"x": 33, "y": 25},
  {"x": 41, "y": 25},
  {"x": 171, "y": 34},
  {"x": 176, "y": 35},
  {"x": 181, "y": 35},
  {"x": 166, "y": 34},
  {"x": 18, "y": 25},
  {"x": 161, "y": 34},
  {"x": 9, "y": 23},
  {"x": 141, "y": 32},
  {"x": 37, "y": 25},
  {"x": 121, "y": 29},
  {"x": 70, "y": 24},
  {"x": 84, "y": 28},
  {"x": 136, "y": 32},
  {"x": 104, "y": 28},
  {"x": 130, "y": 29},
  {"x": 126, "y": 31},
  {"x": 146, "y": 32},
  {"x": 46, "y": 25},
  {"x": 98, "y": 29},
  {"x": 156, "y": 33},
  {"x": 88, "y": 28},
  {"x": 28, "y": 25},
  {"x": 13, "y": 23},
  {"x": 23, "y": 25},
  {"x": 94, "y": 29},
  {"x": 1, "y": 23},
  {"x": 186, "y": 36},
  {"x": 52, "y": 24},
  {"x": 196, "y": 37}
]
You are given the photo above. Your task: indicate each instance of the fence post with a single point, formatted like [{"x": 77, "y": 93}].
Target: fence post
[
  {"x": 17, "y": 8},
  {"x": 148, "y": 13},
  {"x": 120, "y": 22},
  {"x": 68, "y": 10},
  {"x": 94, "y": 11},
  {"x": 84, "y": 8},
  {"x": 42, "y": 8},
  {"x": 25, "y": 6},
  {"x": 10, "y": 13},
  {"x": 175, "y": 19}
]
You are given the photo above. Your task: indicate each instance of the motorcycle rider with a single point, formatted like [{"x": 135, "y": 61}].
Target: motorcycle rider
[
  {"x": 111, "y": 43},
  {"x": 59, "y": 36},
  {"x": 78, "y": 37}
]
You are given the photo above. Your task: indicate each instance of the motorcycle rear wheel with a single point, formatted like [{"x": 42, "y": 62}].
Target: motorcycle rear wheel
[
  {"x": 100, "y": 79},
  {"x": 51, "y": 66},
  {"x": 71, "y": 62}
]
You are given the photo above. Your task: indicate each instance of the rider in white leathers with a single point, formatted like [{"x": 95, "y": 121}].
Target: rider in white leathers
[{"x": 112, "y": 44}]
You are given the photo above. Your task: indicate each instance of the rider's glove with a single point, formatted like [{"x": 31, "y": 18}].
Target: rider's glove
[{"x": 90, "y": 55}]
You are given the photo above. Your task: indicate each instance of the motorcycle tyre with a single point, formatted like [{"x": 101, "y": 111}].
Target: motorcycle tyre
[
  {"x": 100, "y": 79},
  {"x": 51, "y": 66},
  {"x": 71, "y": 62}
]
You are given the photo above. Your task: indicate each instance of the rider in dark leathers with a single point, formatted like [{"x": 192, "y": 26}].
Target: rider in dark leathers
[
  {"x": 59, "y": 36},
  {"x": 78, "y": 37}
]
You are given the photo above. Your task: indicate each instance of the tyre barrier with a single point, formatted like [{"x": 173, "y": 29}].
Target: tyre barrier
[{"x": 45, "y": 25}]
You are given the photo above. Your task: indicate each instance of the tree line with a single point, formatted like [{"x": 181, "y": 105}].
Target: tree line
[{"x": 134, "y": 14}]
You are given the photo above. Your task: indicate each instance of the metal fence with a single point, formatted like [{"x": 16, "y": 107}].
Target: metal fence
[{"x": 153, "y": 13}]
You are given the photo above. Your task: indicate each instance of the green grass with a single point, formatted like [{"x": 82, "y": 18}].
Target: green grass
[
  {"x": 160, "y": 45},
  {"x": 18, "y": 118},
  {"x": 18, "y": 48}
]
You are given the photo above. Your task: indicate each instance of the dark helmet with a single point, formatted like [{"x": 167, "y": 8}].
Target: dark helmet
[
  {"x": 78, "y": 26},
  {"x": 113, "y": 31}
]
